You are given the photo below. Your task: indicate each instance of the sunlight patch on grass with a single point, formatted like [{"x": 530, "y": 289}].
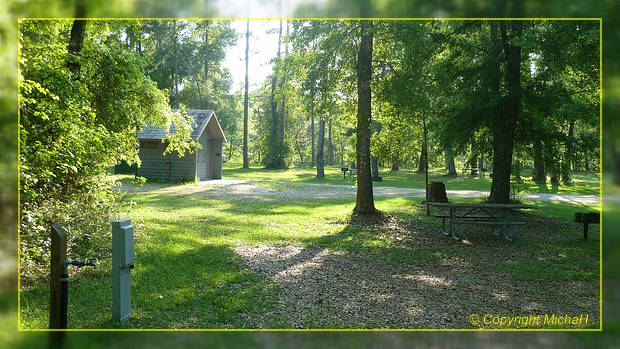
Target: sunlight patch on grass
[{"x": 582, "y": 183}]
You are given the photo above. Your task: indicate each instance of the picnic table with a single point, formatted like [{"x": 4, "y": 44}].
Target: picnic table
[
  {"x": 352, "y": 171},
  {"x": 494, "y": 215}
]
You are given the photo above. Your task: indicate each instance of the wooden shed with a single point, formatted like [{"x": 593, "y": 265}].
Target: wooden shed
[{"x": 204, "y": 164}]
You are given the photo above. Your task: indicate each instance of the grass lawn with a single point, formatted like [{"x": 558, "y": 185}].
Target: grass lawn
[
  {"x": 583, "y": 183},
  {"x": 272, "y": 256}
]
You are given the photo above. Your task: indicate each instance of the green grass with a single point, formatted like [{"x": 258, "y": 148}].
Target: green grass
[
  {"x": 187, "y": 274},
  {"x": 570, "y": 260},
  {"x": 548, "y": 271},
  {"x": 583, "y": 182},
  {"x": 562, "y": 211}
]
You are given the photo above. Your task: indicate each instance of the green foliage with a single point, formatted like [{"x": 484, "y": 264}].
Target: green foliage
[
  {"x": 321, "y": 78},
  {"x": 74, "y": 126},
  {"x": 277, "y": 155},
  {"x": 87, "y": 219},
  {"x": 199, "y": 67},
  {"x": 177, "y": 142},
  {"x": 199, "y": 53},
  {"x": 451, "y": 75}
]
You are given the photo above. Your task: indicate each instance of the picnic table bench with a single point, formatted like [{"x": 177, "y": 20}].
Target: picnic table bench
[
  {"x": 352, "y": 171},
  {"x": 493, "y": 215},
  {"x": 587, "y": 218}
]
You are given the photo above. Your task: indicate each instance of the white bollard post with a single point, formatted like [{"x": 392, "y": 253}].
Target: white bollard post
[{"x": 122, "y": 263}]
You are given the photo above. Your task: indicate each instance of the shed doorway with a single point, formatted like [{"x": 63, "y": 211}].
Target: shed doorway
[
  {"x": 209, "y": 159},
  {"x": 204, "y": 163}
]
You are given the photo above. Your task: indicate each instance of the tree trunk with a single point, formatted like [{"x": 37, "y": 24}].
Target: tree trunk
[
  {"x": 422, "y": 160},
  {"x": 139, "y": 40},
  {"x": 554, "y": 177},
  {"x": 504, "y": 124},
  {"x": 425, "y": 141},
  {"x": 313, "y": 138},
  {"x": 283, "y": 79},
  {"x": 473, "y": 159},
  {"x": 206, "y": 50},
  {"x": 176, "y": 66},
  {"x": 423, "y": 165},
  {"x": 76, "y": 41},
  {"x": 231, "y": 147},
  {"x": 196, "y": 80},
  {"x": 568, "y": 155},
  {"x": 275, "y": 116},
  {"x": 273, "y": 112},
  {"x": 365, "y": 203},
  {"x": 330, "y": 143},
  {"x": 298, "y": 146},
  {"x": 395, "y": 166},
  {"x": 246, "y": 163},
  {"x": 437, "y": 192},
  {"x": 539, "y": 162},
  {"x": 450, "y": 166},
  {"x": 320, "y": 154}
]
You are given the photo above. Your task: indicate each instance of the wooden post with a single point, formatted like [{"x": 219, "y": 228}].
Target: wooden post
[
  {"x": 425, "y": 148},
  {"x": 59, "y": 255}
]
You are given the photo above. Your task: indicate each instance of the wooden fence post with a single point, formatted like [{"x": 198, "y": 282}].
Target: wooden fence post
[{"x": 59, "y": 255}]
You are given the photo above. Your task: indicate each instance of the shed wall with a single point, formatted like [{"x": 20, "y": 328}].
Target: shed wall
[{"x": 155, "y": 164}]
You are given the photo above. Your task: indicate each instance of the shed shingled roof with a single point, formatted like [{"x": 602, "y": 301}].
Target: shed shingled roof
[{"x": 202, "y": 119}]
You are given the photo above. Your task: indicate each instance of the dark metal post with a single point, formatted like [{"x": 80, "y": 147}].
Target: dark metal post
[
  {"x": 59, "y": 255},
  {"x": 59, "y": 280},
  {"x": 64, "y": 297}
]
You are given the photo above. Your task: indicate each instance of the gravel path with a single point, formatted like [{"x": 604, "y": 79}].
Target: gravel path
[{"x": 317, "y": 191}]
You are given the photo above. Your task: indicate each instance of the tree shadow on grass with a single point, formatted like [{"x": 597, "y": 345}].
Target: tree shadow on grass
[
  {"x": 409, "y": 276},
  {"x": 203, "y": 287}
]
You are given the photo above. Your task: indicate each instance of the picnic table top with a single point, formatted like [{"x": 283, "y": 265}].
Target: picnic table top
[{"x": 478, "y": 205}]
